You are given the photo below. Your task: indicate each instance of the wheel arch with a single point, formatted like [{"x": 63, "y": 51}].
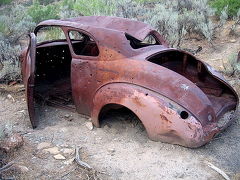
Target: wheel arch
[
  {"x": 159, "y": 115},
  {"x": 111, "y": 96}
]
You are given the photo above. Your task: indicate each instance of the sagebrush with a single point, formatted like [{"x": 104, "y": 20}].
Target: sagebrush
[
  {"x": 14, "y": 27},
  {"x": 231, "y": 7}
]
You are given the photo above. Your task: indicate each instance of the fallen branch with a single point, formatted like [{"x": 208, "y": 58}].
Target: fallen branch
[
  {"x": 78, "y": 160},
  {"x": 6, "y": 167},
  {"x": 218, "y": 170}
]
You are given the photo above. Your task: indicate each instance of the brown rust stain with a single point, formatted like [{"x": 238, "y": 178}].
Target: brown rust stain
[
  {"x": 138, "y": 102},
  {"x": 165, "y": 119}
]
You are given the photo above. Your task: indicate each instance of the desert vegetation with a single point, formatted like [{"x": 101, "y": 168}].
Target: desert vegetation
[{"x": 175, "y": 20}]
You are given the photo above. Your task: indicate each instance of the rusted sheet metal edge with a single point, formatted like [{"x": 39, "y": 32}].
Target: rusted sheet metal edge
[{"x": 212, "y": 71}]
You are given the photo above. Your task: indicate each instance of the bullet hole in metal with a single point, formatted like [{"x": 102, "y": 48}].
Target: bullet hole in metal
[{"x": 184, "y": 115}]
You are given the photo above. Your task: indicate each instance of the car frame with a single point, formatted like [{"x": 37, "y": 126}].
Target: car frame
[{"x": 178, "y": 98}]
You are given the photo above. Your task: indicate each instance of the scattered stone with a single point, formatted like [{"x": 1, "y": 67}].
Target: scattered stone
[
  {"x": 98, "y": 138},
  {"x": 53, "y": 150},
  {"x": 44, "y": 145},
  {"x": 59, "y": 157},
  {"x": 70, "y": 161},
  {"x": 89, "y": 125},
  {"x": 107, "y": 126},
  {"x": 22, "y": 111},
  {"x": 64, "y": 145},
  {"x": 233, "y": 41},
  {"x": 22, "y": 169},
  {"x": 68, "y": 151},
  {"x": 9, "y": 96},
  {"x": 13, "y": 142},
  {"x": 67, "y": 116},
  {"x": 111, "y": 150}
]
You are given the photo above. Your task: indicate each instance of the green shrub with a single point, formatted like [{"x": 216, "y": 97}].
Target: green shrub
[
  {"x": 232, "y": 67},
  {"x": 92, "y": 7},
  {"x": 40, "y": 12},
  {"x": 173, "y": 19},
  {"x": 3, "y": 2},
  {"x": 232, "y": 6},
  {"x": 13, "y": 26}
]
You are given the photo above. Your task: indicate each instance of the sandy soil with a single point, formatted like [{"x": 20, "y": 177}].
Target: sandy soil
[{"x": 118, "y": 150}]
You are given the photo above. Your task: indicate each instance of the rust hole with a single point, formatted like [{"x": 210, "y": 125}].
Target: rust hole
[{"x": 184, "y": 114}]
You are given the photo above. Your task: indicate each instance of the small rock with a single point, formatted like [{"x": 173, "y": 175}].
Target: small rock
[
  {"x": 13, "y": 142},
  {"x": 59, "y": 157},
  {"x": 68, "y": 151},
  {"x": 233, "y": 40},
  {"x": 67, "y": 116},
  {"x": 107, "y": 126},
  {"x": 89, "y": 125},
  {"x": 22, "y": 169},
  {"x": 44, "y": 145},
  {"x": 9, "y": 96},
  {"x": 64, "y": 145},
  {"x": 70, "y": 161},
  {"x": 53, "y": 150},
  {"x": 98, "y": 138},
  {"x": 111, "y": 150}
]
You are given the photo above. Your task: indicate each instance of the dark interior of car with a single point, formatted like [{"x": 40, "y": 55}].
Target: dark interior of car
[
  {"x": 53, "y": 71},
  {"x": 137, "y": 44}
]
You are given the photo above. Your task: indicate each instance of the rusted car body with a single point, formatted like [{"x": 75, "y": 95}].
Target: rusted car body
[{"x": 178, "y": 98}]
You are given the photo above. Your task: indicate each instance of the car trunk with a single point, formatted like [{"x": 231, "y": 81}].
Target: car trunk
[{"x": 222, "y": 97}]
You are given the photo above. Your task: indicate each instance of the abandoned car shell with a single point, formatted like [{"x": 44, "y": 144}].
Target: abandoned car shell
[{"x": 121, "y": 63}]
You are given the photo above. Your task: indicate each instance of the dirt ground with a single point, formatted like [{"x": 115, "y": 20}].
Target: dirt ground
[{"x": 121, "y": 148}]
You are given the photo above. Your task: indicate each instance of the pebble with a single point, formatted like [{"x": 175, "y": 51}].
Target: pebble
[
  {"x": 233, "y": 40},
  {"x": 70, "y": 161},
  {"x": 59, "y": 157},
  {"x": 9, "y": 96},
  {"x": 22, "y": 169},
  {"x": 53, "y": 150},
  {"x": 89, "y": 125},
  {"x": 67, "y": 116},
  {"x": 67, "y": 151},
  {"x": 111, "y": 150},
  {"x": 44, "y": 145}
]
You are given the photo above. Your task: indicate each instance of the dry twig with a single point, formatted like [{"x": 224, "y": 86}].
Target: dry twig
[
  {"x": 218, "y": 170},
  {"x": 6, "y": 167},
  {"x": 79, "y": 161}
]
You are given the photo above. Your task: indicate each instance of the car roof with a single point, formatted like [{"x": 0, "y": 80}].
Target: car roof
[{"x": 104, "y": 24}]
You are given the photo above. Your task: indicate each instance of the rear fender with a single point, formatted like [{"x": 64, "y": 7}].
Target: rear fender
[{"x": 160, "y": 116}]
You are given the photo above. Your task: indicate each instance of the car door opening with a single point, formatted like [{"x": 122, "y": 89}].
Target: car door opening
[{"x": 53, "y": 70}]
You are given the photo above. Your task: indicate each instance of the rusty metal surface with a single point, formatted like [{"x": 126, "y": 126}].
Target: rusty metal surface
[{"x": 178, "y": 98}]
